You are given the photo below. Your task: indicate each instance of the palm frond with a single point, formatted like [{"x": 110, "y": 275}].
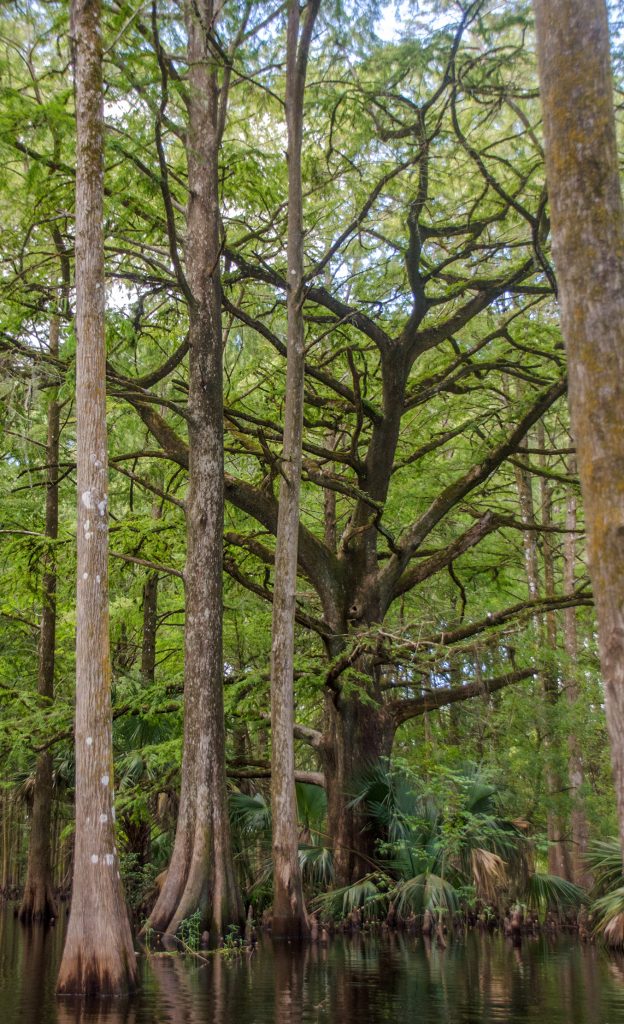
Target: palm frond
[
  {"x": 489, "y": 873},
  {"x": 550, "y": 891},
  {"x": 425, "y": 892},
  {"x": 369, "y": 893},
  {"x": 604, "y": 859},
  {"x": 317, "y": 864}
]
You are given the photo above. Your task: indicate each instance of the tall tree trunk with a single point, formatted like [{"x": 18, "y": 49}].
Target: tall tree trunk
[
  {"x": 38, "y": 902},
  {"x": 588, "y": 236},
  {"x": 201, "y": 874},
  {"x": 98, "y": 958},
  {"x": 580, "y": 826},
  {"x": 558, "y": 855},
  {"x": 289, "y": 915}
]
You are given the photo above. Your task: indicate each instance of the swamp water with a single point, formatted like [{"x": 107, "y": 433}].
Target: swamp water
[{"x": 361, "y": 980}]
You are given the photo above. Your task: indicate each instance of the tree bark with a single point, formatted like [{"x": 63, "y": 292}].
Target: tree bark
[
  {"x": 558, "y": 854},
  {"x": 289, "y": 915},
  {"x": 201, "y": 874},
  {"x": 38, "y": 901},
  {"x": 356, "y": 736},
  {"x": 576, "y": 773},
  {"x": 588, "y": 236},
  {"x": 98, "y": 958},
  {"x": 150, "y": 618}
]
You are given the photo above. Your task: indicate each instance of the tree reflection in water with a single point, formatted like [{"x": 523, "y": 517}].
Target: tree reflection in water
[{"x": 365, "y": 979}]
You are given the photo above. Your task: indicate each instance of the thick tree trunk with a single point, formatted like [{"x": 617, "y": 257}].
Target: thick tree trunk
[
  {"x": 355, "y": 737},
  {"x": 588, "y": 236},
  {"x": 38, "y": 901},
  {"x": 289, "y": 915},
  {"x": 98, "y": 958},
  {"x": 201, "y": 874}
]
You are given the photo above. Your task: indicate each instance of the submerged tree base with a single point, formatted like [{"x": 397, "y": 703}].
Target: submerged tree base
[
  {"x": 38, "y": 904},
  {"x": 91, "y": 974}
]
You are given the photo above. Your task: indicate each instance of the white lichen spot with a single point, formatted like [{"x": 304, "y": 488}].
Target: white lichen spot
[
  {"x": 97, "y": 578},
  {"x": 94, "y": 858},
  {"x": 86, "y": 525},
  {"x": 110, "y": 859},
  {"x": 103, "y": 819},
  {"x": 113, "y": 813},
  {"x": 102, "y": 505},
  {"x": 85, "y": 575},
  {"x": 89, "y": 741},
  {"x": 104, "y": 780},
  {"x": 87, "y": 500}
]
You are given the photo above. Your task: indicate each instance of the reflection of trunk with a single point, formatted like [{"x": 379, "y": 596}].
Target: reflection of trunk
[
  {"x": 289, "y": 915},
  {"x": 98, "y": 957},
  {"x": 579, "y": 823},
  {"x": 38, "y": 901},
  {"x": 201, "y": 874},
  {"x": 288, "y": 972},
  {"x": 355, "y": 737}
]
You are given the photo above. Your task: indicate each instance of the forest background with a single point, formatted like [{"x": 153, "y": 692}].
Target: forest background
[{"x": 444, "y": 615}]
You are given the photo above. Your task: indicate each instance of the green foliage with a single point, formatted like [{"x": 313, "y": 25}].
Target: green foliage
[
  {"x": 384, "y": 120},
  {"x": 189, "y": 931},
  {"x": 138, "y": 881},
  {"x": 604, "y": 860}
]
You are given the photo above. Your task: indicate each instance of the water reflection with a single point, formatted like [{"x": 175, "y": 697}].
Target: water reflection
[
  {"x": 367, "y": 979},
  {"x": 104, "y": 1011}
]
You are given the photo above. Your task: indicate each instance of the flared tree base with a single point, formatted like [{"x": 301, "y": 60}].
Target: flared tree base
[
  {"x": 96, "y": 975},
  {"x": 38, "y": 904}
]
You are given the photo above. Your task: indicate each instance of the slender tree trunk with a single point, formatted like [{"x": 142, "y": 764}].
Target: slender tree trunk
[
  {"x": 289, "y": 915},
  {"x": 38, "y": 902},
  {"x": 588, "y": 236},
  {"x": 580, "y": 826},
  {"x": 558, "y": 855},
  {"x": 150, "y": 618},
  {"x": 150, "y": 612},
  {"x": 201, "y": 874},
  {"x": 98, "y": 958}
]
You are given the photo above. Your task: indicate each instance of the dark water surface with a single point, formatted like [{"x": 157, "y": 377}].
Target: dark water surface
[{"x": 361, "y": 980}]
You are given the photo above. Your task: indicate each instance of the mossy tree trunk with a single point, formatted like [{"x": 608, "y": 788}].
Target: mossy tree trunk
[
  {"x": 201, "y": 874},
  {"x": 98, "y": 958},
  {"x": 588, "y": 235},
  {"x": 289, "y": 915},
  {"x": 38, "y": 901}
]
